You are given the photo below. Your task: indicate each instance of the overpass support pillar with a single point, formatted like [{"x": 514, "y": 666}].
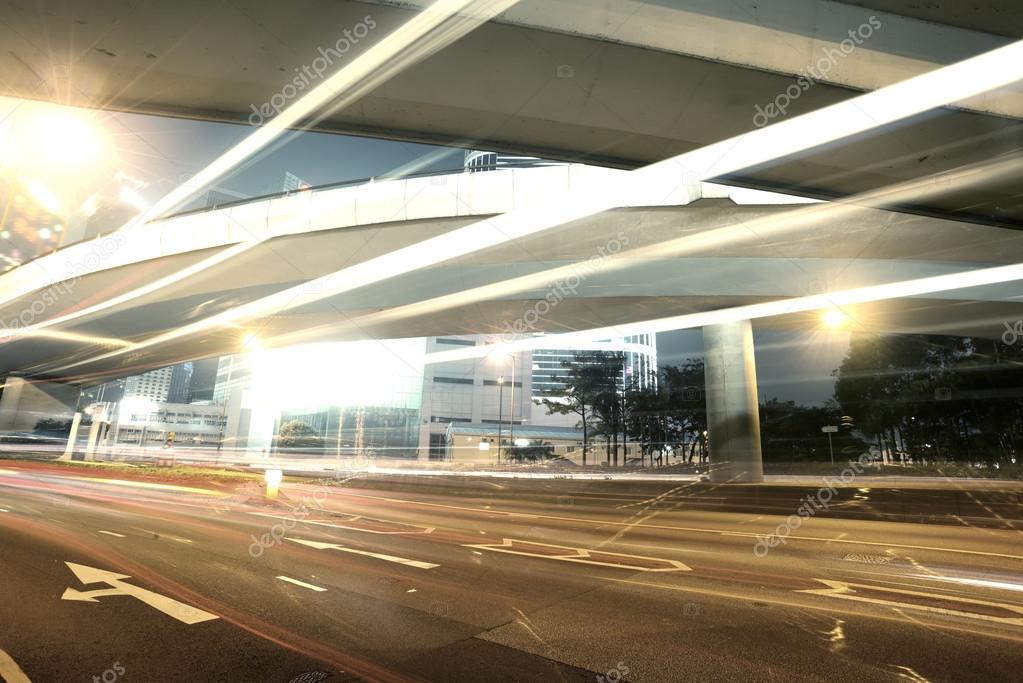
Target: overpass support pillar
[
  {"x": 24, "y": 403},
  {"x": 72, "y": 437},
  {"x": 733, "y": 412}
]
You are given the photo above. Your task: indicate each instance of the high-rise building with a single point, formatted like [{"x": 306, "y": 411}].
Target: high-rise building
[
  {"x": 292, "y": 182},
  {"x": 153, "y": 385},
  {"x": 204, "y": 379},
  {"x": 232, "y": 374},
  {"x": 489, "y": 391},
  {"x": 180, "y": 382},
  {"x": 640, "y": 356},
  {"x": 479, "y": 161},
  {"x": 469, "y": 392}
]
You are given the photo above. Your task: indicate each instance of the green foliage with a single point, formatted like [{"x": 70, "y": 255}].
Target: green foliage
[
  {"x": 792, "y": 433},
  {"x": 532, "y": 453},
  {"x": 933, "y": 398},
  {"x": 53, "y": 426},
  {"x": 298, "y": 434}
]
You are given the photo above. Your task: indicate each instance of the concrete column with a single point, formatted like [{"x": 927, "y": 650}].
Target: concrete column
[
  {"x": 90, "y": 445},
  {"x": 733, "y": 414},
  {"x": 23, "y": 403},
  {"x": 72, "y": 437}
]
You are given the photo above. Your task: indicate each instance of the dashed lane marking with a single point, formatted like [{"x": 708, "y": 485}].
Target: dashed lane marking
[
  {"x": 379, "y": 556},
  {"x": 303, "y": 584}
]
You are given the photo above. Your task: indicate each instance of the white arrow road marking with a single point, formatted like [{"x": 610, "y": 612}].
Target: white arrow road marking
[
  {"x": 10, "y": 671},
  {"x": 380, "y": 556},
  {"x": 111, "y": 533},
  {"x": 845, "y": 591},
  {"x": 584, "y": 556},
  {"x": 301, "y": 583},
  {"x": 170, "y": 607}
]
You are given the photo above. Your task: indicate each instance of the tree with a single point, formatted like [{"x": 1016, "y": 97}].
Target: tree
[
  {"x": 930, "y": 397},
  {"x": 532, "y": 453},
  {"x": 792, "y": 433},
  {"x": 53, "y": 426},
  {"x": 685, "y": 385},
  {"x": 298, "y": 434},
  {"x": 570, "y": 402},
  {"x": 604, "y": 378},
  {"x": 591, "y": 392}
]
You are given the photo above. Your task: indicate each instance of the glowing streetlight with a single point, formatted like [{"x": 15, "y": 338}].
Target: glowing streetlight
[
  {"x": 273, "y": 480},
  {"x": 65, "y": 138},
  {"x": 834, "y": 318},
  {"x": 250, "y": 343}
]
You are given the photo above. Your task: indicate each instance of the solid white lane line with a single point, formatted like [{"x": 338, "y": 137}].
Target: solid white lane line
[
  {"x": 10, "y": 671},
  {"x": 111, "y": 533},
  {"x": 303, "y": 584}
]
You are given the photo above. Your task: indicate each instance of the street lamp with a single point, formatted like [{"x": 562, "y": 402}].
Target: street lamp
[
  {"x": 500, "y": 415},
  {"x": 500, "y": 381}
]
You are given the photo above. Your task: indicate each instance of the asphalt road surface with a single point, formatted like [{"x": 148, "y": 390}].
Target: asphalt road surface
[{"x": 479, "y": 580}]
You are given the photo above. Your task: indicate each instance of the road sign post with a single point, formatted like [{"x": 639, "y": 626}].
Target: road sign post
[{"x": 829, "y": 430}]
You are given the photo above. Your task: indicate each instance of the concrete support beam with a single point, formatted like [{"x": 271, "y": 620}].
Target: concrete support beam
[
  {"x": 23, "y": 403},
  {"x": 733, "y": 417}
]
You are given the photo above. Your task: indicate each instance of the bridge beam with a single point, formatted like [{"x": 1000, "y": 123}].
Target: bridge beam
[{"x": 733, "y": 419}]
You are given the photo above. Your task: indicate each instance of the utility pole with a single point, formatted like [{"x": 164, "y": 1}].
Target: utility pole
[{"x": 500, "y": 415}]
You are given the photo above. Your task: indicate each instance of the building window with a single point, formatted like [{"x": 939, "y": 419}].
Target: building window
[{"x": 494, "y": 383}]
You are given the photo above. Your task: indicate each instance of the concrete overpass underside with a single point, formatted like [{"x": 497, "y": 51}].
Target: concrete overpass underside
[
  {"x": 620, "y": 82},
  {"x": 664, "y": 267}
]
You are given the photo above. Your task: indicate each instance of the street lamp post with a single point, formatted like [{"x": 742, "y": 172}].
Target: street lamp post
[
  {"x": 500, "y": 415},
  {"x": 511, "y": 410}
]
